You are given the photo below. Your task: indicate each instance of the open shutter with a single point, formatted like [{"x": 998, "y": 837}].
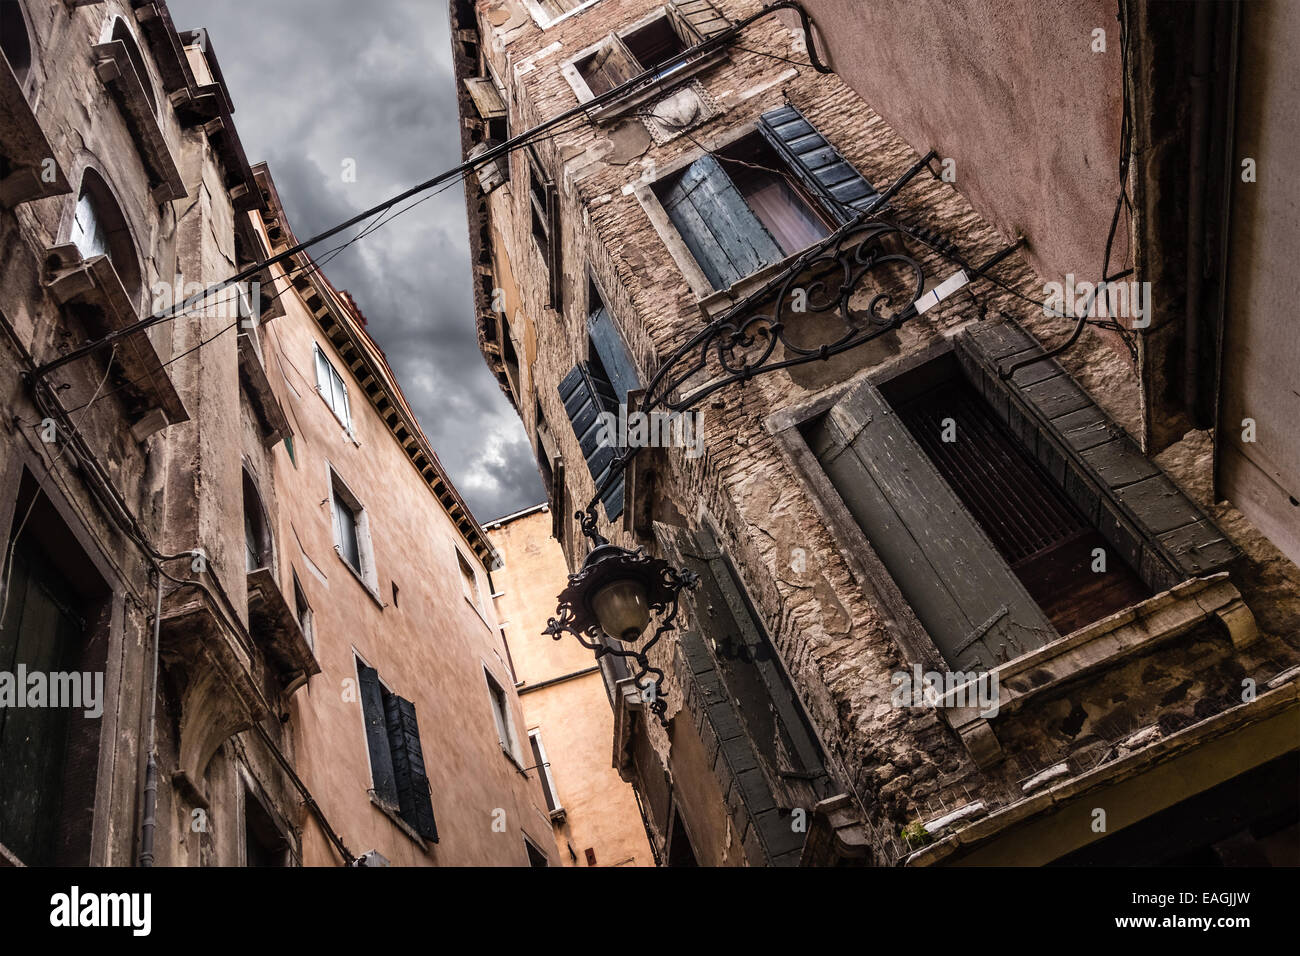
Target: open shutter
[
  {"x": 700, "y": 17},
  {"x": 722, "y": 232},
  {"x": 970, "y": 602},
  {"x": 585, "y": 397},
  {"x": 381, "y": 756},
  {"x": 613, "y": 353},
  {"x": 411, "y": 780},
  {"x": 817, "y": 162}
]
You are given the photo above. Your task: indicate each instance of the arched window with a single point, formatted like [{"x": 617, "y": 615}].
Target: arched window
[
  {"x": 257, "y": 536},
  {"x": 15, "y": 40},
  {"x": 122, "y": 32},
  {"x": 100, "y": 229}
]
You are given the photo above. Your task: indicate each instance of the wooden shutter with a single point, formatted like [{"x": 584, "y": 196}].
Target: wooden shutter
[
  {"x": 700, "y": 17},
  {"x": 960, "y": 588},
  {"x": 755, "y": 679},
  {"x": 613, "y": 353},
  {"x": 722, "y": 232},
  {"x": 381, "y": 757},
  {"x": 410, "y": 778},
  {"x": 585, "y": 397},
  {"x": 816, "y": 162}
]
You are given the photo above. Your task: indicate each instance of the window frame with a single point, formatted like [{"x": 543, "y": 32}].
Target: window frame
[
  {"x": 367, "y": 574},
  {"x": 319, "y": 356},
  {"x": 653, "y": 88},
  {"x": 502, "y": 718}
]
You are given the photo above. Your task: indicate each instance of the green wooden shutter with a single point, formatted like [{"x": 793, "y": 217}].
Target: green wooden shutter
[
  {"x": 585, "y": 396},
  {"x": 381, "y": 756},
  {"x": 411, "y": 779},
  {"x": 721, "y": 231},
  {"x": 609, "y": 345},
  {"x": 972, "y": 605},
  {"x": 816, "y": 162}
]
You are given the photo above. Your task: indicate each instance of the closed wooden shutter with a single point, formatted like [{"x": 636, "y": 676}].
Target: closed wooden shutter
[
  {"x": 963, "y": 593},
  {"x": 700, "y": 18},
  {"x": 410, "y": 777},
  {"x": 721, "y": 231},
  {"x": 613, "y": 353},
  {"x": 585, "y": 396},
  {"x": 816, "y": 162},
  {"x": 381, "y": 757}
]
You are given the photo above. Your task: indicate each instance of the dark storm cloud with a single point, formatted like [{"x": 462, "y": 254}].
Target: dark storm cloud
[{"x": 317, "y": 83}]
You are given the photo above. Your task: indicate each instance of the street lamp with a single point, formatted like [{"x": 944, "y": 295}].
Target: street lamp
[{"x": 614, "y": 595}]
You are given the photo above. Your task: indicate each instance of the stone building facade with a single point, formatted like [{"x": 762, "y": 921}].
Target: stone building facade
[
  {"x": 170, "y": 496},
  {"x": 569, "y": 725},
  {"x": 1042, "y": 532}
]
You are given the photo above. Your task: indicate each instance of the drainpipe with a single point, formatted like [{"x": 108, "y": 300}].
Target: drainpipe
[{"x": 150, "y": 822}]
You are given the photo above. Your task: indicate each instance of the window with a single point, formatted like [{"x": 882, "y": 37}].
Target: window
[
  {"x": 1041, "y": 535},
  {"x": 352, "y": 532},
  {"x": 302, "y": 611},
  {"x": 996, "y": 559},
  {"x": 505, "y": 724},
  {"x": 99, "y": 229},
  {"x": 761, "y": 199},
  {"x": 15, "y": 41},
  {"x": 257, "y": 536},
  {"x": 647, "y": 44},
  {"x": 397, "y": 769},
  {"x": 469, "y": 582},
  {"x": 535, "y": 855},
  {"x": 489, "y": 99},
  {"x": 122, "y": 33},
  {"x": 544, "y": 770},
  {"x": 331, "y": 387},
  {"x": 599, "y": 386},
  {"x": 544, "y": 203},
  {"x": 264, "y": 843}
]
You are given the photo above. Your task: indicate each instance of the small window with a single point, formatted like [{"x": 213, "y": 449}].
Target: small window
[
  {"x": 629, "y": 54},
  {"x": 351, "y": 531},
  {"x": 330, "y": 385},
  {"x": 15, "y": 40},
  {"x": 501, "y": 716},
  {"x": 544, "y": 770},
  {"x": 469, "y": 581},
  {"x": 264, "y": 844},
  {"x": 302, "y": 610},
  {"x": 543, "y": 200},
  {"x": 397, "y": 769},
  {"x": 257, "y": 536},
  {"x": 762, "y": 199},
  {"x": 99, "y": 229},
  {"x": 535, "y": 856}
]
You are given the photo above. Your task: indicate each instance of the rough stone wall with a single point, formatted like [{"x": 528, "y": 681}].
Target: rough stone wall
[{"x": 837, "y": 643}]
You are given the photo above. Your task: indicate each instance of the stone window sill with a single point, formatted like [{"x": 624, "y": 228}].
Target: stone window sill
[
  {"x": 1099, "y": 646},
  {"x": 365, "y": 585}
]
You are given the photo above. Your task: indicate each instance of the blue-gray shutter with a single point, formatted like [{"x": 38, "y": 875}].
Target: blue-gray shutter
[
  {"x": 613, "y": 353},
  {"x": 585, "y": 396},
  {"x": 722, "y": 232},
  {"x": 381, "y": 756},
  {"x": 412, "y": 781},
  {"x": 816, "y": 162},
  {"x": 960, "y": 588}
]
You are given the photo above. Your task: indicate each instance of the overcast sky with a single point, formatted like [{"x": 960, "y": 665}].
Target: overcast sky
[{"x": 318, "y": 82}]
